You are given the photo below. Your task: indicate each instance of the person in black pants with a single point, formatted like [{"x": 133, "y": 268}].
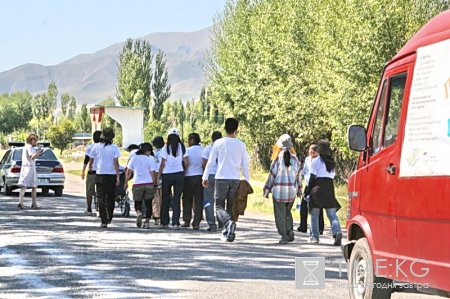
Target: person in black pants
[
  {"x": 173, "y": 162},
  {"x": 304, "y": 209},
  {"x": 193, "y": 189},
  {"x": 106, "y": 156}
]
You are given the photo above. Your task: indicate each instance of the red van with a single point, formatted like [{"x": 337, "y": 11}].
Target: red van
[{"x": 399, "y": 196}]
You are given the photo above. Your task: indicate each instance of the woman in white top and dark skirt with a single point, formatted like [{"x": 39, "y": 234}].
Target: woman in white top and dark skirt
[
  {"x": 321, "y": 191},
  {"x": 143, "y": 166},
  {"x": 173, "y": 155},
  {"x": 106, "y": 156}
]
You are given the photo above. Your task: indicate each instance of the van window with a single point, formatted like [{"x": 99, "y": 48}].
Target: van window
[
  {"x": 375, "y": 139},
  {"x": 395, "y": 100}
]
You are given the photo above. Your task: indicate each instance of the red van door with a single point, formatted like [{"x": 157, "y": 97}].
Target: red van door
[{"x": 380, "y": 174}]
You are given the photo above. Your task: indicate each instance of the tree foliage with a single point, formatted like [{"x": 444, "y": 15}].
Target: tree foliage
[
  {"x": 160, "y": 85},
  {"x": 134, "y": 77},
  {"x": 60, "y": 135},
  {"x": 308, "y": 68}
]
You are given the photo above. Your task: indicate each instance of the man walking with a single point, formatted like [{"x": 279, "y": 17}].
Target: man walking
[
  {"x": 208, "y": 193},
  {"x": 232, "y": 158},
  {"x": 90, "y": 178}
]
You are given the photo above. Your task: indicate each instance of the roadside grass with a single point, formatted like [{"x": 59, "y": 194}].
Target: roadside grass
[{"x": 76, "y": 172}]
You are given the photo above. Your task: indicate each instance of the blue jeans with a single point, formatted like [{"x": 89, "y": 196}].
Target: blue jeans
[{"x": 331, "y": 213}]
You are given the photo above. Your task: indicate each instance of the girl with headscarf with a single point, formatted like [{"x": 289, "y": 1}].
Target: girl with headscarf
[
  {"x": 285, "y": 185},
  {"x": 321, "y": 191}
]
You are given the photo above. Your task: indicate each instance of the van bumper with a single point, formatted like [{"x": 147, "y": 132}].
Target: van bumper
[{"x": 347, "y": 248}]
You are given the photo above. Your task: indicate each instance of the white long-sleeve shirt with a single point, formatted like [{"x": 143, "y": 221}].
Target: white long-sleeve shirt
[{"x": 232, "y": 158}]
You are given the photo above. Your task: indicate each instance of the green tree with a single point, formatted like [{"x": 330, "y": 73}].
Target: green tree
[
  {"x": 160, "y": 86},
  {"x": 83, "y": 120},
  {"x": 65, "y": 99},
  {"x": 60, "y": 135},
  {"x": 134, "y": 76}
]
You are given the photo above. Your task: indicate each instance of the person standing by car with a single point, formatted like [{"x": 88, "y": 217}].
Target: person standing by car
[
  {"x": 321, "y": 191},
  {"x": 143, "y": 167},
  {"x": 304, "y": 210},
  {"x": 193, "y": 189},
  {"x": 173, "y": 155},
  {"x": 158, "y": 143},
  {"x": 106, "y": 155},
  {"x": 284, "y": 183},
  {"x": 232, "y": 158},
  {"x": 90, "y": 178},
  {"x": 28, "y": 173},
  {"x": 208, "y": 193}
]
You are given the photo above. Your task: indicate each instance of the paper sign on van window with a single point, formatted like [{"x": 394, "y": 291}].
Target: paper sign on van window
[{"x": 426, "y": 146}]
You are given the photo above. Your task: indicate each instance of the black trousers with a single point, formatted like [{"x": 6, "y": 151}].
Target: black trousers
[
  {"x": 304, "y": 217},
  {"x": 193, "y": 198},
  {"x": 106, "y": 194},
  {"x": 175, "y": 180}
]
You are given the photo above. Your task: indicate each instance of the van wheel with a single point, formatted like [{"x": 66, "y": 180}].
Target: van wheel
[{"x": 361, "y": 276}]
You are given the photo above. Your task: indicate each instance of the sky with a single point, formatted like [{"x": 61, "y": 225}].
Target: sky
[{"x": 48, "y": 32}]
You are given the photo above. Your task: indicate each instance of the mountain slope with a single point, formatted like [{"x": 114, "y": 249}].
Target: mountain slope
[{"x": 92, "y": 77}]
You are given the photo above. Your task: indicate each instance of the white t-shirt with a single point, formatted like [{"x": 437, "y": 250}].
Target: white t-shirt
[
  {"x": 195, "y": 166},
  {"x": 205, "y": 156},
  {"x": 306, "y": 171},
  {"x": 89, "y": 148},
  {"x": 319, "y": 169},
  {"x": 132, "y": 154},
  {"x": 104, "y": 156},
  {"x": 173, "y": 164},
  {"x": 142, "y": 167},
  {"x": 231, "y": 156}
]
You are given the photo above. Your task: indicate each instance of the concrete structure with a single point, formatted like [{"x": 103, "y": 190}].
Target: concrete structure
[{"x": 131, "y": 120}]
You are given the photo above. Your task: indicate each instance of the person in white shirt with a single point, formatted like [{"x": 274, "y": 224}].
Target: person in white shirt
[
  {"x": 321, "y": 190},
  {"x": 303, "y": 227},
  {"x": 28, "y": 172},
  {"x": 90, "y": 178},
  {"x": 143, "y": 167},
  {"x": 106, "y": 158},
  {"x": 173, "y": 155},
  {"x": 158, "y": 144},
  {"x": 232, "y": 158},
  {"x": 193, "y": 189},
  {"x": 208, "y": 193}
]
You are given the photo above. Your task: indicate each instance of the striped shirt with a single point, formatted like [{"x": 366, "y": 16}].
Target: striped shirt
[{"x": 284, "y": 182}]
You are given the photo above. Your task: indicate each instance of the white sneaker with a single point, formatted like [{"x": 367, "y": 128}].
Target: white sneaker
[
  {"x": 313, "y": 240},
  {"x": 139, "y": 219}
]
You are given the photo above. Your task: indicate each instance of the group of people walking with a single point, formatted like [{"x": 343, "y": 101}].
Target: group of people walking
[
  {"x": 201, "y": 178},
  {"x": 167, "y": 175}
]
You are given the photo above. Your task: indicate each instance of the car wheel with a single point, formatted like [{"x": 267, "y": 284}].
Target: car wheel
[
  {"x": 7, "y": 190},
  {"x": 362, "y": 277},
  {"x": 45, "y": 190},
  {"x": 58, "y": 192}
]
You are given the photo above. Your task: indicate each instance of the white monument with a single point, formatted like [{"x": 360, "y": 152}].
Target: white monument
[{"x": 131, "y": 120}]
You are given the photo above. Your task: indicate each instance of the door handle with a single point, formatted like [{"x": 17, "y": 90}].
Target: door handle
[{"x": 391, "y": 169}]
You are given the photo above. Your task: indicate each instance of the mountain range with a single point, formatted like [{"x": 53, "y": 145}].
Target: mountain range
[{"x": 92, "y": 78}]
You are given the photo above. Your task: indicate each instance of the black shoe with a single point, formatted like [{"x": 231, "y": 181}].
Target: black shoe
[
  {"x": 211, "y": 229},
  {"x": 337, "y": 239},
  {"x": 231, "y": 229},
  {"x": 291, "y": 236},
  {"x": 196, "y": 227},
  {"x": 301, "y": 229},
  {"x": 186, "y": 224}
]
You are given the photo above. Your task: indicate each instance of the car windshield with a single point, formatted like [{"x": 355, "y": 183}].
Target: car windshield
[{"x": 47, "y": 155}]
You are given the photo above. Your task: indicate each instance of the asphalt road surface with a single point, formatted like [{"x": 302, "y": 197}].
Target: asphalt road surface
[{"x": 57, "y": 252}]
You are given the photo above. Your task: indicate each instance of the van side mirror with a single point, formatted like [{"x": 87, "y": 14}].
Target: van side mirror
[{"x": 357, "y": 138}]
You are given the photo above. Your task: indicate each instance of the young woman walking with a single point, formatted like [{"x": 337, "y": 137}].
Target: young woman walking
[
  {"x": 173, "y": 162},
  {"x": 285, "y": 185},
  {"x": 143, "y": 168}
]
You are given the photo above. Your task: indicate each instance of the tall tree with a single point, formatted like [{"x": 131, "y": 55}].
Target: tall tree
[
  {"x": 65, "y": 99},
  {"x": 161, "y": 86},
  {"x": 72, "y": 107},
  {"x": 134, "y": 76}
]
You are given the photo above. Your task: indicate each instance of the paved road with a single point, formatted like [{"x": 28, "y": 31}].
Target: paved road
[{"x": 57, "y": 252}]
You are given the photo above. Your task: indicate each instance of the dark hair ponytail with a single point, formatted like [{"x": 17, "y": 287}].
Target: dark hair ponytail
[
  {"x": 287, "y": 158},
  {"x": 145, "y": 147}
]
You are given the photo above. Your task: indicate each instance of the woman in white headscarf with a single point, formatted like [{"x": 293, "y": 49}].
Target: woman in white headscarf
[{"x": 285, "y": 185}]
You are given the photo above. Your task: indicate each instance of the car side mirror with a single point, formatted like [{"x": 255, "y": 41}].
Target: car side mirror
[{"x": 357, "y": 138}]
